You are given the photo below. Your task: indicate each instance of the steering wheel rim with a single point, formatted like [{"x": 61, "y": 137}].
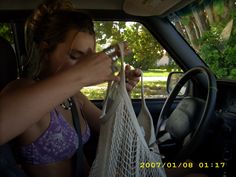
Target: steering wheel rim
[{"x": 197, "y": 134}]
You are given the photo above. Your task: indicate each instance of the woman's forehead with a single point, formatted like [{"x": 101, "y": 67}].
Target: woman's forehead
[{"x": 80, "y": 40}]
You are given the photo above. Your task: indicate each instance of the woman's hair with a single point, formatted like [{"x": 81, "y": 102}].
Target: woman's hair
[{"x": 50, "y": 23}]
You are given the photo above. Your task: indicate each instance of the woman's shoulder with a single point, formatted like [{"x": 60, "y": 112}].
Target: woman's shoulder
[{"x": 18, "y": 83}]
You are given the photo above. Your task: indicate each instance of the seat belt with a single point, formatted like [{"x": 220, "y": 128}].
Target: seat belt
[{"x": 79, "y": 164}]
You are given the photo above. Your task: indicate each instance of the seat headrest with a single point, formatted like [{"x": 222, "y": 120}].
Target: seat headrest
[{"x": 8, "y": 63}]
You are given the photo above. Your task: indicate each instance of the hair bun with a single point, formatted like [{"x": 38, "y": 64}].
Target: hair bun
[
  {"x": 35, "y": 25},
  {"x": 48, "y": 7}
]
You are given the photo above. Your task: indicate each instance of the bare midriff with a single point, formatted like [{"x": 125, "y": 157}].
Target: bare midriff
[{"x": 58, "y": 169}]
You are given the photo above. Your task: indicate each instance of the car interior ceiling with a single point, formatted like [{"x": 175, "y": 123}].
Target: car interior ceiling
[{"x": 137, "y": 8}]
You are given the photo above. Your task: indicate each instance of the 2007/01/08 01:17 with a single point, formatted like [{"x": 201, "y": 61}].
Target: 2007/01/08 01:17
[{"x": 145, "y": 165}]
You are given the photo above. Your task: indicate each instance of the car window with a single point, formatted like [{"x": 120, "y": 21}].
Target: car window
[
  {"x": 147, "y": 54},
  {"x": 209, "y": 27}
]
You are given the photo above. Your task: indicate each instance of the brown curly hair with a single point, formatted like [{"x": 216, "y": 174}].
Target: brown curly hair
[{"x": 50, "y": 23}]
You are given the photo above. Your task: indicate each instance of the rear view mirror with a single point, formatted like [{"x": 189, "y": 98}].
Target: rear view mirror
[{"x": 173, "y": 79}]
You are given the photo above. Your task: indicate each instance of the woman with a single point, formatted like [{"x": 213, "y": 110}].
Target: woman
[{"x": 39, "y": 105}]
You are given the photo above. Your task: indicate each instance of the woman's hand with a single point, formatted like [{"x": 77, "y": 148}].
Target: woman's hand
[
  {"x": 94, "y": 69},
  {"x": 114, "y": 51},
  {"x": 132, "y": 77}
]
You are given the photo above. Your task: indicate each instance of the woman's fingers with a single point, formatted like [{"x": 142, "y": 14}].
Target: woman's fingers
[{"x": 132, "y": 77}]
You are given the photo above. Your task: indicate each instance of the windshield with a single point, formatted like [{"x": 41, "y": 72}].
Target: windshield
[{"x": 209, "y": 27}]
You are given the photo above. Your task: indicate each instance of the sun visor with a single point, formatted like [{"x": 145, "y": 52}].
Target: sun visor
[{"x": 153, "y": 7}]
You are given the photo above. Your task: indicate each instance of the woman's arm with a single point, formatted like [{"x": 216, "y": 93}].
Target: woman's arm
[
  {"x": 90, "y": 111},
  {"x": 24, "y": 102}
]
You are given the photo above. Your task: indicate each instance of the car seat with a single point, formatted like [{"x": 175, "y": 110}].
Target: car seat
[
  {"x": 8, "y": 72},
  {"x": 8, "y": 64}
]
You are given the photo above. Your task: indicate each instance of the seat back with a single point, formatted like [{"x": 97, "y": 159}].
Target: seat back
[
  {"x": 8, "y": 63},
  {"x": 8, "y": 73}
]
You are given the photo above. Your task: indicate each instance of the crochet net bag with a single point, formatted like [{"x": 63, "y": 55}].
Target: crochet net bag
[{"x": 125, "y": 141}]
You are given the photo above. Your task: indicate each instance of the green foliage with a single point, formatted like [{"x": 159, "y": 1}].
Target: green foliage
[
  {"x": 218, "y": 54},
  {"x": 185, "y": 20},
  {"x": 233, "y": 74},
  {"x": 218, "y": 7},
  {"x": 5, "y": 32},
  {"x": 211, "y": 42},
  {"x": 145, "y": 49}
]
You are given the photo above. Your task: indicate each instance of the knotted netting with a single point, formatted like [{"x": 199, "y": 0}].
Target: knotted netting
[{"x": 125, "y": 141}]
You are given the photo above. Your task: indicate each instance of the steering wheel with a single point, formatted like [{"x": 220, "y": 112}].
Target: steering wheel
[{"x": 188, "y": 122}]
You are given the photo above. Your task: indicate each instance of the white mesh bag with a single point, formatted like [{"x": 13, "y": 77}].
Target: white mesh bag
[{"x": 125, "y": 141}]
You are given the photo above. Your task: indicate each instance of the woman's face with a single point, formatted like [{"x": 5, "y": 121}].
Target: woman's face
[{"x": 68, "y": 53}]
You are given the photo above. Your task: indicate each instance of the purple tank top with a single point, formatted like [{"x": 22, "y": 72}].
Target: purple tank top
[{"x": 59, "y": 142}]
